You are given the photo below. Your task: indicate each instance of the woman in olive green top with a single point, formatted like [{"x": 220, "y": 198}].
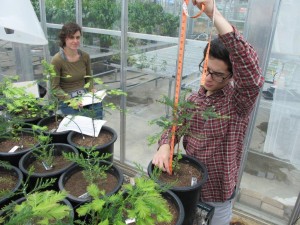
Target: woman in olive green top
[{"x": 72, "y": 65}]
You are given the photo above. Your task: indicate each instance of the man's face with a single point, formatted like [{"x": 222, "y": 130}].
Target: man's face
[{"x": 217, "y": 75}]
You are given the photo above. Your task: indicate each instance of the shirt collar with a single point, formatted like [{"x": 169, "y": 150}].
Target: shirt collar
[
  {"x": 224, "y": 91},
  {"x": 63, "y": 55}
]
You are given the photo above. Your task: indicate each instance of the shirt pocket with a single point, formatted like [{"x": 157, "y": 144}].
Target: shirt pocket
[{"x": 215, "y": 128}]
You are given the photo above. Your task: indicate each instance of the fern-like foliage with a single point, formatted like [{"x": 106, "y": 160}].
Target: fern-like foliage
[
  {"x": 44, "y": 152},
  {"x": 142, "y": 202},
  {"x": 93, "y": 170},
  {"x": 40, "y": 208}
]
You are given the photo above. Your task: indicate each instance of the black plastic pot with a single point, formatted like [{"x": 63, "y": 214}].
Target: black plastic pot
[
  {"x": 78, "y": 201},
  {"x": 103, "y": 149},
  {"x": 190, "y": 195},
  {"x": 29, "y": 158},
  {"x": 12, "y": 195},
  {"x": 56, "y": 137},
  {"x": 177, "y": 202},
  {"x": 14, "y": 157}
]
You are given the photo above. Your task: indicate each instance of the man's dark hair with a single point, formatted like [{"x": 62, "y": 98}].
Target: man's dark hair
[
  {"x": 67, "y": 30},
  {"x": 218, "y": 51}
]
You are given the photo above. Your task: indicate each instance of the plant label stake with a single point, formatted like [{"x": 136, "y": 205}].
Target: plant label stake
[
  {"x": 46, "y": 166},
  {"x": 53, "y": 130},
  {"x": 129, "y": 221},
  {"x": 13, "y": 149},
  {"x": 85, "y": 195},
  {"x": 193, "y": 181},
  {"x": 181, "y": 46}
]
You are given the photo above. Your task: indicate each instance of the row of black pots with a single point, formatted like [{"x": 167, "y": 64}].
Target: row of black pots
[
  {"x": 14, "y": 157},
  {"x": 67, "y": 137},
  {"x": 188, "y": 195},
  {"x": 75, "y": 201}
]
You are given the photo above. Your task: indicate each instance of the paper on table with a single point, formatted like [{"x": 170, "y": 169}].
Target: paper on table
[
  {"x": 89, "y": 98},
  {"x": 81, "y": 124}
]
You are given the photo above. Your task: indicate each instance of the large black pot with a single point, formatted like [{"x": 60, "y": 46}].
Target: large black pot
[
  {"x": 29, "y": 158},
  {"x": 76, "y": 201},
  {"x": 169, "y": 195},
  {"x": 12, "y": 195},
  {"x": 14, "y": 157},
  {"x": 103, "y": 149},
  {"x": 190, "y": 195},
  {"x": 56, "y": 137}
]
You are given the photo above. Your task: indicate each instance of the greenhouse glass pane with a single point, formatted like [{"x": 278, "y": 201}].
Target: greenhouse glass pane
[{"x": 271, "y": 179}]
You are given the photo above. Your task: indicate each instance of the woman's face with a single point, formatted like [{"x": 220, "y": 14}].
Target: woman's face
[{"x": 73, "y": 41}]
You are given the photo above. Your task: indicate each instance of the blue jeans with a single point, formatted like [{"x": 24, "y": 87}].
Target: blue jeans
[{"x": 94, "y": 110}]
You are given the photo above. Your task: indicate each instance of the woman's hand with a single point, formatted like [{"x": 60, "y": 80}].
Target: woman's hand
[{"x": 161, "y": 158}]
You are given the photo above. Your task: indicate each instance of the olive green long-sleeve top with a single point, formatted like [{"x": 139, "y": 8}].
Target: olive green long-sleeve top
[{"x": 70, "y": 76}]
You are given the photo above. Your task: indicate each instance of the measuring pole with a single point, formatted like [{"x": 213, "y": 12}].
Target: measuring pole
[{"x": 181, "y": 48}]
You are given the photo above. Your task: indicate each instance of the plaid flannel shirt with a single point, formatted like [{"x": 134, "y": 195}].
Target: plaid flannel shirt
[{"x": 218, "y": 143}]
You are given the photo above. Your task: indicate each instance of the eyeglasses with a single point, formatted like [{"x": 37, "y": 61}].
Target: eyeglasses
[{"x": 218, "y": 77}]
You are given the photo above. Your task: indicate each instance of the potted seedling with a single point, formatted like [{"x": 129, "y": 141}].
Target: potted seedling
[
  {"x": 90, "y": 168},
  {"x": 46, "y": 159},
  {"x": 38, "y": 206},
  {"x": 141, "y": 202},
  {"x": 11, "y": 179},
  {"x": 15, "y": 140},
  {"x": 52, "y": 122},
  {"x": 189, "y": 173}
]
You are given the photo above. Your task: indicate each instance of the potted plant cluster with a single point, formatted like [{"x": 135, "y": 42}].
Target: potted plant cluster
[{"x": 41, "y": 158}]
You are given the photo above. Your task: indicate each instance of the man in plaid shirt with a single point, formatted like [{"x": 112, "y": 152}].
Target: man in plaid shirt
[{"x": 232, "y": 84}]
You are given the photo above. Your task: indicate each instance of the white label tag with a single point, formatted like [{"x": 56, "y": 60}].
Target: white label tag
[
  {"x": 129, "y": 221},
  {"x": 85, "y": 195},
  {"x": 46, "y": 166},
  {"x": 15, "y": 148},
  {"x": 132, "y": 181},
  {"x": 194, "y": 181}
]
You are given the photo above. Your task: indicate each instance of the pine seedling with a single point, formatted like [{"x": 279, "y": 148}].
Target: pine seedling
[{"x": 89, "y": 159}]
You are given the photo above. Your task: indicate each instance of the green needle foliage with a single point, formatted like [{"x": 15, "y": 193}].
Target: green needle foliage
[
  {"x": 178, "y": 117},
  {"x": 19, "y": 103},
  {"x": 142, "y": 201},
  {"x": 89, "y": 159},
  {"x": 40, "y": 208},
  {"x": 181, "y": 117},
  {"x": 44, "y": 152}
]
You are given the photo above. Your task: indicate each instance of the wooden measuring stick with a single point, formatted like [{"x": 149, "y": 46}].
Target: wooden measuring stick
[{"x": 179, "y": 72}]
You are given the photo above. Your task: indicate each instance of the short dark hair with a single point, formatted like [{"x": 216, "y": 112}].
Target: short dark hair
[
  {"x": 67, "y": 30},
  {"x": 218, "y": 51}
]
